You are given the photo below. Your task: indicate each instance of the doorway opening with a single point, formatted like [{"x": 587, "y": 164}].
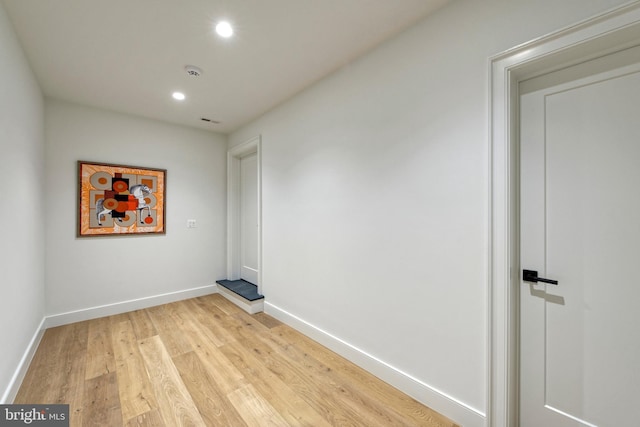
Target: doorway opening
[{"x": 244, "y": 227}]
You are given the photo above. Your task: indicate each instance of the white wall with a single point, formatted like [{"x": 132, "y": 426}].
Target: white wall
[
  {"x": 21, "y": 206},
  {"x": 88, "y": 272},
  {"x": 375, "y": 197}
]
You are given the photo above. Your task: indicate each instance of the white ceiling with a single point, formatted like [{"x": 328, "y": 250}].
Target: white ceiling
[{"x": 129, "y": 55}]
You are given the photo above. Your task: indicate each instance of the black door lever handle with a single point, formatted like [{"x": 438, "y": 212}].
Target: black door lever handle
[{"x": 532, "y": 276}]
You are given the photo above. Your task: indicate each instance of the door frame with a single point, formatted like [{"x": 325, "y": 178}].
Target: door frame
[
  {"x": 234, "y": 155},
  {"x": 609, "y": 32}
]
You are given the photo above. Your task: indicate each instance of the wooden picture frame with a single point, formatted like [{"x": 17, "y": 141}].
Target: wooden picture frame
[{"x": 117, "y": 200}]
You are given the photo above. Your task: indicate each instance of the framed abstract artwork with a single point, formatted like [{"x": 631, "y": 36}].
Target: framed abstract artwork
[{"x": 116, "y": 200}]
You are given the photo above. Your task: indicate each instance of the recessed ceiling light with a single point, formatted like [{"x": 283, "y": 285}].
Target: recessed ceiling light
[
  {"x": 224, "y": 29},
  {"x": 179, "y": 96}
]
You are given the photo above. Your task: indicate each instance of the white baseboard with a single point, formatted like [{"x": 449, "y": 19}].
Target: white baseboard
[
  {"x": 435, "y": 399},
  {"x": 16, "y": 381},
  {"x": 126, "y": 306},
  {"x": 251, "y": 307}
]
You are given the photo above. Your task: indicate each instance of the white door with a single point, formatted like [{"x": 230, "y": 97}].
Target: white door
[
  {"x": 249, "y": 218},
  {"x": 580, "y": 225}
]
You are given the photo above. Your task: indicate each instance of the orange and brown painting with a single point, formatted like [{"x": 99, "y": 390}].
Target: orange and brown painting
[{"x": 117, "y": 199}]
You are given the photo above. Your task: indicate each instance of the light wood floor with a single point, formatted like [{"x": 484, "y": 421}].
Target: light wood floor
[{"x": 205, "y": 362}]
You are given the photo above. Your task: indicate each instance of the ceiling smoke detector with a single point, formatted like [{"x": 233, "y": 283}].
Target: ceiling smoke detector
[{"x": 193, "y": 71}]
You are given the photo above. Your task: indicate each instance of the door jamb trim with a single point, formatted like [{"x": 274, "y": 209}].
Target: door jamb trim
[
  {"x": 234, "y": 154},
  {"x": 608, "y": 32}
]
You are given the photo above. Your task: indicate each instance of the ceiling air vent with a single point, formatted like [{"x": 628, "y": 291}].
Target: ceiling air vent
[{"x": 193, "y": 71}]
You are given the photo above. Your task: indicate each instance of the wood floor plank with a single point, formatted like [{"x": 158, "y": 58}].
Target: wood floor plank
[
  {"x": 251, "y": 333},
  {"x": 100, "y": 358},
  {"x": 293, "y": 409},
  {"x": 366, "y": 383},
  {"x": 169, "y": 329},
  {"x": 175, "y": 403},
  {"x": 101, "y": 406},
  {"x": 255, "y": 410},
  {"x": 236, "y": 318},
  {"x": 222, "y": 303},
  {"x": 266, "y": 320},
  {"x": 148, "y": 419},
  {"x": 186, "y": 316},
  {"x": 72, "y": 371},
  {"x": 117, "y": 318},
  {"x": 227, "y": 377},
  {"x": 372, "y": 412},
  {"x": 142, "y": 325},
  {"x": 323, "y": 400},
  {"x": 214, "y": 406},
  {"x": 44, "y": 369},
  {"x": 56, "y": 374},
  {"x": 135, "y": 390},
  {"x": 209, "y": 316}
]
